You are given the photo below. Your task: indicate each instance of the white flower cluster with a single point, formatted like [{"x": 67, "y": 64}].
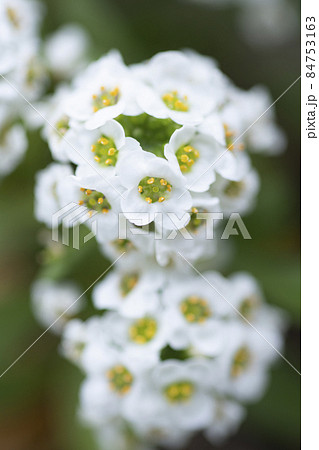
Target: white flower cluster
[
  {"x": 157, "y": 142},
  {"x": 27, "y": 67},
  {"x": 160, "y": 143},
  {"x": 262, "y": 23},
  {"x": 171, "y": 356}
]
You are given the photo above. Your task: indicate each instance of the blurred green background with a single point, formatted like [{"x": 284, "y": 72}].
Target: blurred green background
[{"x": 39, "y": 394}]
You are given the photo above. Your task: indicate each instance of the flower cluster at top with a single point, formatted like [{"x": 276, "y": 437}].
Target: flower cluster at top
[
  {"x": 29, "y": 67},
  {"x": 159, "y": 143}
]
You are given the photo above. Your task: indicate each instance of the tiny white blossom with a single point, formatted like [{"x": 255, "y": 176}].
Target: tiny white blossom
[
  {"x": 96, "y": 152},
  {"x": 55, "y": 303},
  {"x": 131, "y": 289},
  {"x": 104, "y": 91},
  {"x": 152, "y": 186},
  {"x": 195, "y": 311},
  {"x": 46, "y": 197},
  {"x": 174, "y": 393},
  {"x": 237, "y": 196},
  {"x": 227, "y": 418},
  {"x": 13, "y": 142},
  {"x": 66, "y": 50}
]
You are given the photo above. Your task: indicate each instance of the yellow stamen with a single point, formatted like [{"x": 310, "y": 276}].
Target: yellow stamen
[
  {"x": 184, "y": 158},
  {"x": 100, "y": 200},
  {"x": 103, "y": 141},
  {"x": 150, "y": 181},
  {"x": 161, "y": 199},
  {"x": 148, "y": 200},
  {"x": 163, "y": 182},
  {"x": 115, "y": 91},
  {"x": 140, "y": 189},
  {"x": 111, "y": 151}
]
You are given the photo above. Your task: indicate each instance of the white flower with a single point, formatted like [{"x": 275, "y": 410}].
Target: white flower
[
  {"x": 78, "y": 336},
  {"x": 182, "y": 86},
  {"x": 242, "y": 366},
  {"x": 56, "y": 129},
  {"x": 194, "y": 310},
  {"x": 195, "y": 240},
  {"x": 106, "y": 391},
  {"x": 65, "y": 50},
  {"x": 250, "y": 120},
  {"x": 227, "y": 418},
  {"x": 18, "y": 23},
  {"x": 176, "y": 394},
  {"x": 138, "y": 240},
  {"x": 152, "y": 186},
  {"x": 236, "y": 196},
  {"x": 132, "y": 290},
  {"x": 194, "y": 154},
  {"x": 46, "y": 197},
  {"x": 97, "y": 202},
  {"x": 51, "y": 300},
  {"x": 142, "y": 336},
  {"x": 13, "y": 143},
  {"x": 246, "y": 296},
  {"x": 104, "y": 91},
  {"x": 96, "y": 152},
  {"x": 232, "y": 162},
  {"x": 29, "y": 76}
]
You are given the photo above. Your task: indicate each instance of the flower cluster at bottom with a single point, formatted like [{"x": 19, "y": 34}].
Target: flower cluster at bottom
[{"x": 171, "y": 355}]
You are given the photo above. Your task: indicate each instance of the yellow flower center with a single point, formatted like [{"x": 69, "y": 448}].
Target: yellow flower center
[
  {"x": 248, "y": 306},
  {"x": 154, "y": 189},
  {"x": 105, "y": 98},
  {"x": 143, "y": 330},
  {"x": 175, "y": 102},
  {"x": 105, "y": 151},
  {"x": 195, "y": 309},
  {"x": 241, "y": 361},
  {"x": 229, "y": 138},
  {"x": 186, "y": 156},
  {"x": 13, "y": 17},
  {"x": 120, "y": 379},
  {"x": 128, "y": 282},
  {"x": 234, "y": 188},
  {"x": 62, "y": 125},
  {"x": 94, "y": 201},
  {"x": 179, "y": 392}
]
